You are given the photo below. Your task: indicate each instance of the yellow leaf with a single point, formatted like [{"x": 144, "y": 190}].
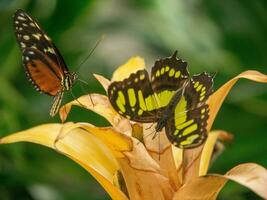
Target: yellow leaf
[
  {"x": 216, "y": 99},
  {"x": 131, "y": 66},
  {"x": 207, "y": 151},
  {"x": 101, "y": 106},
  {"x": 117, "y": 142},
  {"x": 81, "y": 146}
]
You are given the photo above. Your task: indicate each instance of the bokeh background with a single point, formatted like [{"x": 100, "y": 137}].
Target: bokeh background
[{"x": 226, "y": 37}]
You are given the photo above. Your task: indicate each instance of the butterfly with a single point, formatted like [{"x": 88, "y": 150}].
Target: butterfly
[
  {"x": 43, "y": 64},
  {"x": 169, "y": 98}
]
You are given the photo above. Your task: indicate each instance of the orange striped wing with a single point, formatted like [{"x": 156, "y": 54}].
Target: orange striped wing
[{"x": 42, "y": 72}]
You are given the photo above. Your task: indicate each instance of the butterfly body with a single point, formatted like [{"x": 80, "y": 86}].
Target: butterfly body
[
  {"x": 68, "y": 81},
  {"x": 42, "y": 61},
  {"x": 170, "y": 98}
]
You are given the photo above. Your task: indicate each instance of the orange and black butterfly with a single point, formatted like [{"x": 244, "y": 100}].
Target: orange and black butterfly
[{"x": 42, "y": 61}]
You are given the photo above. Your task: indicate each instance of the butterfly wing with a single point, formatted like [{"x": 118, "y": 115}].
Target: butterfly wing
[
  {"x": 42, "y": 72},
  {"x": 134, "y": 98},
  {"x": 142, "y": 100},
  {"x": 187, "y": 127},
  {"x": 30, "y": 35},
  {"x": 167, "y": 76}
]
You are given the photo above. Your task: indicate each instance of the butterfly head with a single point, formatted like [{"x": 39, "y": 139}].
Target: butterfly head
[
  {"x": 161, "y": 122},
  {"x": 70, "y": 78},
  {"x": 73, "y": 76}
]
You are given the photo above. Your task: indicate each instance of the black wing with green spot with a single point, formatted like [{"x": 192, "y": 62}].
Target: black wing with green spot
[
  {"x": 169, "y": 74},
  {"x": 134, "y": 98},
  {"x": 187, "y": 128}
]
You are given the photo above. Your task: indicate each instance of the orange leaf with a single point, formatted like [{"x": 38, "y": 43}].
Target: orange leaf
[
  {"x": 250, "y": 175},
  {"x": 216, "y": 99}
]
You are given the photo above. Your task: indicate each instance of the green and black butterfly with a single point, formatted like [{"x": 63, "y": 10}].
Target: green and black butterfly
[{"x": 170, "y": 98}]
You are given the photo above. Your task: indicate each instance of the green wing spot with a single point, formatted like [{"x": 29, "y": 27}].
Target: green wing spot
[
  {"x": 162, "y": 70},
  {"x": 196, "y": 84},
  {"x": 158, "y": 73},
  {"x": 120, "y": 102},
  {"x": 190, "y": 129},
  {"x": 187, "y": 123},
  {"x": 121, "y": 97},
  {"x": 120, "y": 105},
  {"x": 189, "y": 140},
  {"x": 132, "y": 98},
  {"x": 164, "y": 97},
  {"x": 151, "y": 103},
  {"x": 140, "y": 112},
  {"x": 167, "y": 68},
  {"x": 177, "y": 74},
  {"x": 142, "y": 103},
  {"x": 180, "y": 114},
  {"x": 171, "y": 73},
  {"x": 199, "y": 87}
]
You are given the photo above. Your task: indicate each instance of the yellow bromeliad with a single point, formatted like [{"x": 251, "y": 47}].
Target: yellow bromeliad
[{"x": 129, "y": 169}]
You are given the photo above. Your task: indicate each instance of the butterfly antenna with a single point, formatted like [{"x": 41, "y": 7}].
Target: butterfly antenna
[
  {"x": 91, "y": 52},
  {"x": 148, "y": 134},
  {"x": 214, "y": 74},
  {"x": 76, "y": 99},
  {"x": 84, "y": 82},
  {"x": 159, "y": 147}
]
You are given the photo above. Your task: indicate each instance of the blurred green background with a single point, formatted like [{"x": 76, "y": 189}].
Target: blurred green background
[{"x": 226, "y": 37}]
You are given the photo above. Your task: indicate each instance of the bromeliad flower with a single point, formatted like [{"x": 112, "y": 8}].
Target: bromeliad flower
[{"x": 130, "y": 162}]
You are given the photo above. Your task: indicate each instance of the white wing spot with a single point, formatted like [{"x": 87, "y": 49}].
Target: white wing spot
[
  {"x": 16, "y": 22},
  {"x": 31, "y": 52},
  {"x": 34, "y": 47},
  {"x": 46, "y": 37},
  {"x": 27, "y": 58},
  {"x": 37, "y": 25},
  {"x": 26, "y": 37},
  {"x": 22, "y": 14},
  {"x": 23, "y": 24},
  {"x": 22, "y": 44},
  {"x": 51, "y": 50},
  {"x": 21, "y": 18},
  {"x": 20, "y": 28},
  {"x": 37, "y": 36},
  {"x": 32, "y": 24}
]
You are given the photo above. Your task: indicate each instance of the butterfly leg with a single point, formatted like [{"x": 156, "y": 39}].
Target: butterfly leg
[{"x": 56, "y": 103}]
